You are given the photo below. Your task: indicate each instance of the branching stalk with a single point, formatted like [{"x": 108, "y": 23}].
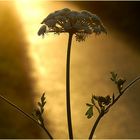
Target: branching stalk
[
  {"x": 102, "y": 113},
  {"x": 68, "y": 87},
  {"x": 126, "y": 88},
  {"x": 26, "y": 114}
]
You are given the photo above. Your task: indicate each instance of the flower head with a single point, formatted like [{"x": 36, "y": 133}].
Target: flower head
[{"x": 81, "y": 23}]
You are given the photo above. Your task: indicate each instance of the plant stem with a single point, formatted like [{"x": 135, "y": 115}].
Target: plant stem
[
  {"x": 130, "y": 84},
  {"x": 68, "y": 87},
  {"x": 46, "y": 130},
  {"x": 26, "y": 114},
  {"x": 95, "y": 124},
  {"x": 102, "y": 113},
  {"x": 122, "y": 92}
]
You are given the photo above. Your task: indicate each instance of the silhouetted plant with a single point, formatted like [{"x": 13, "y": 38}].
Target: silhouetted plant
[
  {"x": 103, "y": 104},
  {"x": 81, "y": 24},
  {"x": 36, "y": 115}
]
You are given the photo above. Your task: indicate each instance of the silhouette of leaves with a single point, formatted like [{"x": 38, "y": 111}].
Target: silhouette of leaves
[
  {"x": 118, "y": 81},
  {"x": 38, "y": 112},
  {"x": 89, "y": 112}
]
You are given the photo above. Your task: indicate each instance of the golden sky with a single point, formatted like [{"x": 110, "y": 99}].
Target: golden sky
[{"x": 91, "y": 64}]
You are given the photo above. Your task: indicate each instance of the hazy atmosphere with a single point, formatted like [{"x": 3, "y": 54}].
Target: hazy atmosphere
[{"x": 31, "y": 65}]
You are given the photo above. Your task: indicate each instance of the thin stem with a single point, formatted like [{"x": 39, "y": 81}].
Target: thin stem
[
  {"x": 102, "y": 113},
  {"x": 97, "y": 107},
  {"x": 95, "y": 125},
  {"x": 46, "y": 130},
  {"x": 26, "y": 114},
  {"x": 129, "y": 85},
  {"x": 68, "y": 88}
]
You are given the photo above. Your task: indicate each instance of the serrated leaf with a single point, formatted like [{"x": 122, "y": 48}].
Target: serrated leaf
[
  {"x": 37, "y": 114},
  {"x": 121, "y": 82},
  {"x": 89, "y": 104},
  {"x": 89, "y": 112},
  {"x": 114, "y": 77},
  {"x": 96, "y": 97},
  {"x": 43, "y": 103},
  {"x": 43, "y": 97},
  {"x": 40, "y": 105},
  {"x": 92, "y": 100}
]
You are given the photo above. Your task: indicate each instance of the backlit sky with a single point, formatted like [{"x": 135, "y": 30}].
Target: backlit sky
[{"x": 91, "y": 63}]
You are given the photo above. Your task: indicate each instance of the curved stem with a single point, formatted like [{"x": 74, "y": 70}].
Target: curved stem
[
  {"x": 95, "y": 125},
  {"x": 105, "y": 111},
  {"x": 130, "y": 84},
  {"x": 26, "y": 114},
  {"x": 122, "y": 92},
  {"x": 68, "y": 87}
]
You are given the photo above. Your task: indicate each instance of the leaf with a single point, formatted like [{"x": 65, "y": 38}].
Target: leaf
[
  {"x": 92, "y": 99},
  {"x": 89, "y": 112},
  {"x": 112, "y": 79},
  {"x": 96, "y": 97},
  {"x": 121, "y": 82},
  {"x": 113, "y": 97},
  {"x": 40, "y": 105},
  {"x": 114, "y": 76},
  {"x": 89, "y": 104},
  {"x": 43, "y": 103},
  {"x": 43, "y": 97}
]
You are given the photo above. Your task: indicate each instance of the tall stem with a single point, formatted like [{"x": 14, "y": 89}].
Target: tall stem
[
  {"x": 68, "y": 87},
  {"x": 95, "y": 125}
]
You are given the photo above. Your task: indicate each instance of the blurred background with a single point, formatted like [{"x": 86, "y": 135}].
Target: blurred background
[{"x": 30, "y": 65}]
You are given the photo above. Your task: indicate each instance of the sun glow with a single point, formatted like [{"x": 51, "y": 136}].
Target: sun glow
[
  {"x": 31, "y": 13},
  {"x": 90, "y": 66},
  {"x": 42, "y": 52}
]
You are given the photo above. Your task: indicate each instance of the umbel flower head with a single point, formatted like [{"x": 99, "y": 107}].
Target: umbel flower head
[{"x": 81, "y": 24}]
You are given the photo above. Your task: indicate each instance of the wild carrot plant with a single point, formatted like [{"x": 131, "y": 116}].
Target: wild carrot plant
[{"x": 81, "y": 25}]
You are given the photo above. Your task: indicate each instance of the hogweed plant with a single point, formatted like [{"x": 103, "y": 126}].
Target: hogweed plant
[{"x": 81, "y": 25}]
